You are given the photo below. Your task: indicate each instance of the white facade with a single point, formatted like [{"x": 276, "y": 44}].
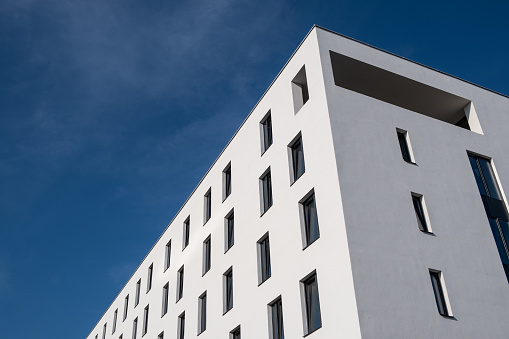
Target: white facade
[{"x": 372, "y": 263}]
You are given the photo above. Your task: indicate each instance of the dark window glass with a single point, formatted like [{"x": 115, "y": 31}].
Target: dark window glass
[
  {"x": 276, "y": 310},
  {"x": 404, "y": 146},
  {"x": 203, "y": 313},
  {"x": 228, "y": 277},
  {"x": 297, "y": 159},
  {"x": 186, "y": 231},
  {"x": 164, "y": 308},
  {"x": 206, "y": 255},
  {"x": 104, "y": 331},
  {"x": 181, "y": 326},
  {"x": 145, "y": 321},
  {"x": 267, "y": 191},
  {"x": 235, "y": 334},
  {"x": 313, "y": 316},
  {"x": 264, "y": 258},
  {"x": 267, "y": 132},
  {"x": 161, "y": 335},
  {"x": 227, "y": 181},
  {"x": 137, "y": 296},
  {"x": 208, "y": 206},
  {"x": 114, "y": 327},
  {"x": 439, "y": 293},
  {"x": 135, "y": 328},
  {"x": 230, "y": 231},
  {"x": 149, "y": 278},
  {"x": 310, "y": 220},
  {"x": 167, "y": 256},
  {"x": 180, "y": 283},
  {"x": 126, "y": 304},
  {"x": 419, "y": 212}
]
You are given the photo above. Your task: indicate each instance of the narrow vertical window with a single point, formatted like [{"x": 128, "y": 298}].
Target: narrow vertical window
[
  {"x": 207, "y": 208},
  {"x": 264, "y": 271},
  {"x": 404, "y": 145},
  {"x": 206, "y": 256},
  {"x": 266, "y": 190},
  {"x": 161, "y": 335},
  {"x": 149, "y": 277},
  {"x": 121, "y": 336},
  {"x": 185, "y": 232},
  {"x": 135, "y": 328},
  {"x": 235, "y": 333},
  {"x": 114, "y": 327},
  {"x": 420, "y": 213},
  {"x": 440, "y": 293},
  {"x": 104, "y": 330},
  {"x": 276, "y": 319},
  {"x": 164, "y": 308},
  {"x": 266, "y": 132},
  {"x": 228, "y": 290},
  {"x": 229, "y": 231},
  {"x": 180, "y": 283},
  {"x": 137, "y": 295},
  {"x": 296, "y": 159},
  {"x": 126, "y": 305},
  {"x": 202, "y": 313},
  {"x": 494, "y": 205},
  {"x": 181, "y": 326},
  {"x": 145, "y": 321},
  {"x": 227, "y": 181},
  {"x": 167, "y": 255},
  {"x": 309, "y": 219},
  {"x": 311, "y": 303},
  {"x": 300, "y": 89}
]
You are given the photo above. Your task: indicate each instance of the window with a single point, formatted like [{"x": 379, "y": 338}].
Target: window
[
  {"x": 164, "y": 308},
  {"x": 114, "y": 327},
  {"x": 137, "y": 296},
  {"x": 180, "y": 283},
  {"x": 420, "y": 212},
  {"x": 181, "y": 326},
  {"x": 185, "y": 232},
  {"x": 161, "y": 335},
  {"x": 266, "y": 132},
  {"x": 263, "y": 259},
  {"x": 300, "y": 89},
  {"x": 121, "y": 336},
  {"x": 149, "y": 277},
  {"x": 309, "y": 219},
  {"x": 227, "y": 181},
  {"x": 266, "y": 190},
  {"x": 202, "y": 313},
  {"x": 494, "y": 205},
  {"x": 404, "y": 145},
  {"x": 296, "y": 159},
  {"x": 228, "y": 290},
  {"x": 104, "y": 330},
  {"x": 276, "y": 319},
  {"x": 311, "y": 304},
  {"x": 229, "y": 231},
  {"x": 206, "y": 256},
  {"x": 145, "y": 321},
  {"x": 440, "y": 293},
  {"x": 207, "y": 210},
  {"x": 235, "y": 333},
  {"x": 135, "y": 327},
  {"x": 167, "y": 255},
  {"x": 126, "y": 304}
]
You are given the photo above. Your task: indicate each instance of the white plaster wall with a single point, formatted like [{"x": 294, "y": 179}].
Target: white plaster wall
[{"x": 329, "y": 255}]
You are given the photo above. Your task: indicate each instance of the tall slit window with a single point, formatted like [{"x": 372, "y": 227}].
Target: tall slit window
[
  {"x": 300, "y": 89},
  {"x": 135, "y": 328},
  {"x": 207, "y": 208},
  {"x": 266, "y": 132},
  {"x": 180, "y": 283},
  {"x": 149, "y": 277},
  {"x": 145, "y": 321},
  {"x": 126, "y": 305},
  {"x": 167, "y": 255},
  {"x": 104, "y": 330},
  {"x": 227, "y": 181},
  {"x": 420, "y": 213},
  {"x": 186, "y": 229},
  {"x": 441, "y": 299},
  {"x": 276, "y": 319},
  {"x": 309, "y": 219},
  {"x": 228, "y": 290},
  {"x": 202, "y": 313},
  {"x": 266, "y": 190},
  {"x": 114, "y": 327},
  {"x": 181, "y": 326},
  {"x": 311, "y": 303},
  {"x": 235, "y": 333},
  {"x": 206, "y": 255},
  {"x": 164, "y": 306},
  {"x": 137, "y": 296},
  {"x": 297, "y": 159},
  {"x": 404, "y": 145},
  {"x": 264, "y": 268},
  {"x": 229, "y": 230}
]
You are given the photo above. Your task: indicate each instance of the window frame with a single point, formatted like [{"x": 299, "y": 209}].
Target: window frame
[
  {"x": 150, "y": 274},
  {"x": 421, "y": 213},
  {"x": 227, "y": 181},
  {"x": 135, "y": 328},
  {"x": 138, "y": 292},
  {"x": 207, "y": 206},
  {"x": 309, "y": 237},
  {"x": 144, "y": 329},
  {"x": 266, "y": 132},
  {"x": 228, "y": 290},
  {"x": 266, "y": 194},
  {"x": 186, "y": 232},
  {"x": 229, "y": 230},
  {"x": 206, "y": 257},
  {"x": 292, "y": 162},
  {"x": 115, "y": 318},
  {"x": 126, "y": 307},
  {"x": 306, "y": 303},
  {"x": 275, "y": 310},
  {"x": 180, "y": 283},
  {"x": 405, "y": 146},
  {"x": 165, "y": 299},
  {"x": 202, "y": 313},
  {"x": 235, "y": 332},
  {"x": 264, "y": 264},
  {"x": 167, "y": 255},
  {"x": 181, "y": 325},
  {"x": 440, "y": 292},
  {"x": 300, "y": 90}
]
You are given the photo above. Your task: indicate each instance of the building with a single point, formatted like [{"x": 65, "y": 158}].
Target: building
[{"x": 361, "y": 198}]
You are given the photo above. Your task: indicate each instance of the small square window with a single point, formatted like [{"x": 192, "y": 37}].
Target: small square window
[
  {"x": 264, "y": 270},
  {"x": 276, "y": 319},
  {"x": 164, "y": 308},
  {"x": 228, "y": 290},
  {"x": 229, "y": 230},
  {"x": 421, "y": 213},
  {"x": 227, "y": 181},
  {"x": 266, "y": 191},
  {"x": 206, "y": 255},
  {"x": 181, "y": 326},
  {"x": 266, "y": 132},
  {"x": 137, "y": 296},
  {"x": 145, "y": 321},
  {"x": 126, "y": 304},
  {"x": 309, "y": 219},
  {"x": 149, "y": 277},
  {"x": 167, "y": 256},
  {"x": 114, "y": 327},
  {"x": 404, "y": 145},
  {"x": 207, "y": 208},
  {"x": 311, "y": 304},
  {"x": 300, "y": 89},
  {"x": 437, "y": 281},
  {"x": 202, "y": 313},
  {"x": 186, "y": 229},
  {"x": 235, "y": 333},
  {"x": 180, "y": 283},
  {"x": 296, "y": 154}
]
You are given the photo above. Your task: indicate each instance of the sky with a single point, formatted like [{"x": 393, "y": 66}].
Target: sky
[{"x": 112, "y": 111}]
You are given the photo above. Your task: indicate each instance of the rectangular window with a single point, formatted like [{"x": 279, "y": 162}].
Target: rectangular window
[
  {"x": 180, "y": 283},
  {"x": 300, "y": 89},
  {"x": 266, "y": 190},
  {"x": 167, "y": 255},
  {"x": 164, "y": 308},
  {"x": 311, "y": 304},
  {"x": 227, "y": 181},
  {"x": 137, "y": 296},
  {"x": 114, "y": 327},
  {"x": 185, "y": 232},
  {"x": 202, "y": 313},
  {"x": 104, "y": 330},
  {"x": 264, "y": 271},
  {"x": 296, "y": 158},
  {"x": 228, "y": 290},
  {"x": 207, "y": 208},
  {"x": 494, "y": 205},
  {"x": 266, "y": 132},
  {"x": 206, "y": 256},
  {"x": 235, "y": 333},
  {"x": 309, "y": 219},
  {"x": 121, "y": 336},
  {"x": 421, "y": 213},
  {"x": 126, "y": 304},
  {"x": 441, "y": 299},
  {"x": 149, "y": 277},
  {"x": 145, "y": 321},
  {"x": 404, "y": 145},
  {"x": 135, "y": 328},
  {"x": 229, "y": 231},
  {"x": 181, "y": 326},
  {"x": 276, "y": 319},
  {"x": 161, "y": 335}
]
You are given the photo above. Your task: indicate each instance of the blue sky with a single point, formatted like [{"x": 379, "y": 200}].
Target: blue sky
[{"x": 112, "y": 111}]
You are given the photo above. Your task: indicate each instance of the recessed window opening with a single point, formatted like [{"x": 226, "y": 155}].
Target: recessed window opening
[
  {"x": 126, "y": 305},
  {"x": 266, "y": 191},
  {"x": 180, "y": 283},
  {"x": 137, "y": 296},
  {"x": 181, "y": 326},
  {"x": 300, "y": 89},
  {"x": 229, "y": 231},
  {"x": 149, "y": 277},
  {"x": 202, "y": 313},
  {"x": 206, "y": 256},
  {"x": 276, "y": 319},
  {"x": 164, "y": 306},
  {"x": 296, "y": 153},
  {"x": 186, "y": 229},
  {"x": 228, "y": 290},
  {"x": 161, "y": 335},
  {"x": 263, "y": 250},
  {"x": 404, "y": 145},
  {"x": 266, "y": 132},
  {"x": 104, "y": 330},
  {"x": 441, "y": 298},
  {"x": 114, "y": 327},
  {"x": 311, "y": 303},
  {"x": 421, "y": 213},
  {"x": 227, "y": 181},
  {"x": 145, "y": 321},
  {"x": 403, "y": 92},
  {"x": 167, "y": 255},
  {"x": 207, "y": 208},
  {"x": 235, "y": 333},
  {"x": 135, "y": 328},
  {"x": 309, "y": 219}
]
